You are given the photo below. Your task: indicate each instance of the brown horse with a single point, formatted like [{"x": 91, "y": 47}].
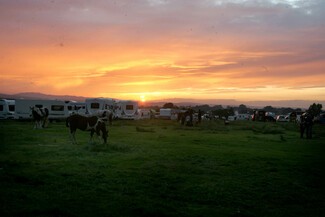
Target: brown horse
[{"x": 92, "y": 124}]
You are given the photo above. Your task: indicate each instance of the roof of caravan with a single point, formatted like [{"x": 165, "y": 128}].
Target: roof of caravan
[{"x": 7, "y": 100}]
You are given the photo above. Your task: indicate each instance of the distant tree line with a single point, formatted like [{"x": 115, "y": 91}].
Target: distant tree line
[{"x": 314, "y": 109}]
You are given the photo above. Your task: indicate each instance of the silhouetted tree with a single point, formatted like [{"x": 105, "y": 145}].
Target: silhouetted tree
[
  {"x": 168, "y": 105},
  {"x": 270, "y": 109},
  {"x": 224, "y": 112},
  {"x": 242, "y": 109}
]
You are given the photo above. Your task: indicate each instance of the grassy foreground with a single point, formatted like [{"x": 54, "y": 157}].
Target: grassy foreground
[{"x": 159, "y": 168}]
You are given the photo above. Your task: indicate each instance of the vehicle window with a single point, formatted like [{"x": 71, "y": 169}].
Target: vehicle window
[
  {"x": 57, "y": 108},
  {"x": 12, "y": 108},
  {"x": 129, "y": 107},
  {"x": 1, "y": 107},
  {"x": 94, "y": 105}
]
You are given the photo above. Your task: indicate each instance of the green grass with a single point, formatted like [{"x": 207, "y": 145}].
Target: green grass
[{"x": 159, "y": 168}]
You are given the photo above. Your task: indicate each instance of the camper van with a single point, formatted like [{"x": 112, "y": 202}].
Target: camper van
[
  {"x": 57, "y": 108},
  {"x": 126, "y": 109},
  {"x": 7, "y": 109},
  {"x": 93, "y": 105}
]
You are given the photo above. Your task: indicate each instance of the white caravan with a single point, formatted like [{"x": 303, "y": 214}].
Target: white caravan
[
  {"x": 93, "y": 105},
  {"x": 168, "y": 113},
  {"x": 126, "y": 109},
  {"x": 76, "y": 107},
  {"x": 57, "y": 108},
  {"x": 144, "y": 114},
  {"x": 7, "y": 109}
]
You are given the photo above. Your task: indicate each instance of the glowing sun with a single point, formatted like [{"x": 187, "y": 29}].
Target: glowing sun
[{"x": 143, "y": 98}]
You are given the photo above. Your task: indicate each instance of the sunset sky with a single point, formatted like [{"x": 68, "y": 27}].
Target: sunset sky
[{"x": 158, "y": 49}]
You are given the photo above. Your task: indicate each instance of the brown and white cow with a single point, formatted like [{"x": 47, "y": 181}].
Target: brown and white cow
[{"x": 92, "y": 124}]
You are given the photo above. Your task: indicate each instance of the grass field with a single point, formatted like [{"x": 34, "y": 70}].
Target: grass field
[{"x": 159, "y": 168}]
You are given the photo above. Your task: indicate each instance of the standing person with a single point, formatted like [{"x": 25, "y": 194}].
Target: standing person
[
  {"x": 199, "y": 116},
  {"x": 309, "y": 125},
  {"x": 302, "y": 125}
]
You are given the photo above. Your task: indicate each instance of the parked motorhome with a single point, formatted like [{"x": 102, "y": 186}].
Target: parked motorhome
[
  {"x": 57, "y": 108},
  {"x": 93, "y": 105},
  {"x": 7, "y": 109},
  {"x": 126, "y": 109}
]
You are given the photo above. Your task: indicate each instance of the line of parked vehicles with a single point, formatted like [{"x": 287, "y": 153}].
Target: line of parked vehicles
[
  {"x": 19, "y": 109},
  {"x": 261, "y": 115},
  {"x": 58, "y": 109}
]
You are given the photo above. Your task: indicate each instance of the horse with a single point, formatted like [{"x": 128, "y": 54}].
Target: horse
[
  {"x": 92, "y": 124},
  {"x": 40, "y": 116},
  {"x": 186, "y": 118},
  {"x": 106, "y": 115},
  {"x": 306, "y": 124}
]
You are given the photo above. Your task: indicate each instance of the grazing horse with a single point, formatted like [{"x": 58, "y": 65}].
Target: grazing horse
[
  {"x": 186, "y": 118},
  {"x": 106, "y": 115},
  {"x": 40, "y": 116},
  {"x": 92, "y": 124}
]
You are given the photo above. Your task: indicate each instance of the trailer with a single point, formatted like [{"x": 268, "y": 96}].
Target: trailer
[
  {"x": 144, "y": 114},
  {"x": 167, "y": 113},
  {"x": 93, "y": 105},
  {"x": 76, "y": 107},
  {"x": 57, "y": 108},
  {"x": 126, "y": 109},
  {"x": 7, "y": 109}
]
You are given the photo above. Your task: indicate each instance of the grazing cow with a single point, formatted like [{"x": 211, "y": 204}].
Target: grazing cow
[
  {"x": 92, "y": 124},
  {"x": 40, "y": 116}
]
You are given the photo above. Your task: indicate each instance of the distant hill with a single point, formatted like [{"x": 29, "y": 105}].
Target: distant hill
[
  {"x": 33, "y": 95},
  {"x": 180, "y": 101}
]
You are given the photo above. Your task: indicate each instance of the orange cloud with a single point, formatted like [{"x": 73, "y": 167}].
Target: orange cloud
[{"x": 216, "y": 49}]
